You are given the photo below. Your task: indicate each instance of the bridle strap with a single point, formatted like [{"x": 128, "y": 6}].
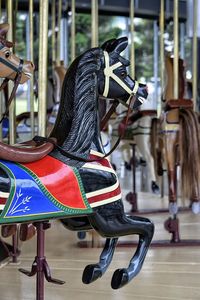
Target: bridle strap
[{"x": 16, "y": 84}]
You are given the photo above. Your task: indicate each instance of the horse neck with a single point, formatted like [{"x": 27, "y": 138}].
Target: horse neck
[{"x": 76, "y": 122}]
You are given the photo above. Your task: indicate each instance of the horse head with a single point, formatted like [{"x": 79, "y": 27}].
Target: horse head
[
  {"x": 115, "y": 82},
  {"x": 10, "y": 64}
]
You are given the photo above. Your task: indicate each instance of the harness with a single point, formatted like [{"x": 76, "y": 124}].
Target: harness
[{"x": 17, "y": 80}]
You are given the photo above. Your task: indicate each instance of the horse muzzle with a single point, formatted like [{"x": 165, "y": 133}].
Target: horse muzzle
[
  {"x": 140, "y": 96},
  {"x": 27, "y": 71}
]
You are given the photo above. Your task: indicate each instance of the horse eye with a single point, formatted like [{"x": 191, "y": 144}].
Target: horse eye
[{"x": 7, "y": 54}]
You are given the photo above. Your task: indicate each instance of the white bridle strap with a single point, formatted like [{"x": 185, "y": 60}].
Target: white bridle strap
[{"x": 108, "y": 72}]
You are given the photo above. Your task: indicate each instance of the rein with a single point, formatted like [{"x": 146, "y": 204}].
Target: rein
[
  {"x": 16, "y": 84},
  {"x": 75, "y": 157}
]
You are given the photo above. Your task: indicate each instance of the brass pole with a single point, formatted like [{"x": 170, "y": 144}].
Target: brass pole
[
  {"x": 42, "y": 70},
  {"x": 132, "y": 48},
  {"x": 94, "y": 24},
  {"x": 161, "y": 25},
  {"x": 194, "y": 60},
  {"x": 0, "y": 9},
  {"x": 12, "y": 131},
  {"x": 59, "y": 27},
  {"x": 53, "y": 27},
  {"x": 1, "y": 94},
  {"x": 73, "y": 31},
  {"x": 176, "y": 51},
  {"x": 31, "y": 57}
]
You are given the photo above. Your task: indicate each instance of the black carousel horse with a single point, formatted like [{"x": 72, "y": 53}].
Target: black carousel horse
[{"x": 75, "y": 181}]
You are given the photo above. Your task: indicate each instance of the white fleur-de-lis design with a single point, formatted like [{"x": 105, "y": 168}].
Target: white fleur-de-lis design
[{"x": 20, "y": 207}]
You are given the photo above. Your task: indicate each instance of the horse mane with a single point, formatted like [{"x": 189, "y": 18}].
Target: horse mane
[
  {"x": 75, "y": 124},
  {"x": 189, "y": 152}
]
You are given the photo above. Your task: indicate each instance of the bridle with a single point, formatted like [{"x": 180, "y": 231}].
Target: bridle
[
  {"x": 17, "y": 80},
  {"x": 108, "y": 72}
]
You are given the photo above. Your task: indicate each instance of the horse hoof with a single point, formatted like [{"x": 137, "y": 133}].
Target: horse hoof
[
  {"x": 173, "y": 208},
  {"x": 195, "y": 208},
  {"x": 119, "y": 279},
  {"x": 91, "y": 273}
]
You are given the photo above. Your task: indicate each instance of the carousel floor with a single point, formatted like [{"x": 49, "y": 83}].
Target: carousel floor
[{"x": 169, "y": 273}]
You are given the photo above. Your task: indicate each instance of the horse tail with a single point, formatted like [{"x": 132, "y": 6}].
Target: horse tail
[{"x": 189, "y": 141}]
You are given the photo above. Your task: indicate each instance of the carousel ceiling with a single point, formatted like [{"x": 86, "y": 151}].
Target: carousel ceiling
[{"x": 143, "y": 8}]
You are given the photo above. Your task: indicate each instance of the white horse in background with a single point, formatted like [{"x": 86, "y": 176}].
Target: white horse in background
[{"x": 139, "y": 132}]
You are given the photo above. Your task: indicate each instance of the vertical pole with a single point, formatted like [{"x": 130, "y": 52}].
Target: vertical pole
[
  {"x": 31, "y": 57},
  {"x": 176, "y": 51},
  {"x": 155, "y": 60},
  {"x": 40, "y": 261},
  {"x": 194, "y": 59},
  {"x": 73, "y": 31},
  {"x": 161, "y": 25},
  {"x": 53, "y": 26},
  {"x": 42, "y": 71},
  {"x": 132, "y": 48},
  {"x": 95, "y": 24},
  {"x": 1, "y": 94},
  {"x": 59, "y": 32},
  {"x": 12, "y": 131},
  {"x": 182, "y": 40}
]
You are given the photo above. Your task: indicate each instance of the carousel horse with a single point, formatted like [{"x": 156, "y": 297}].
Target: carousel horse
[
  {"x": 179, "y": 143},
  {"x": 68, "y": 175}
]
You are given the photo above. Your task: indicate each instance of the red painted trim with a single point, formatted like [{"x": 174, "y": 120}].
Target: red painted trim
[
  {"x": 104, "y": 196},
  {"x": 60, "y": 181},
  {"x": 3, "y": 200}
]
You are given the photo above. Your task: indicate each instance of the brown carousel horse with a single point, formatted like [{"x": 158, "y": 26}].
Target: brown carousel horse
[
  {"x": 68, "y": 175},
  {"x": 179, "y": 142}
]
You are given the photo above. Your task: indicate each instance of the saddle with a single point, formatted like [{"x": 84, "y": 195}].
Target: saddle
[
  {"x": 29, "y": 151},
  {"x": 173, "y": 106},
  {"x": 178, "y": 103}
]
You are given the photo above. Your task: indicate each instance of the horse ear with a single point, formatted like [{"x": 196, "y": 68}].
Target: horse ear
[
  {"x": 120, "y": 44},
  {"x": 4, "y": 29},
  {"x": 108, "y": 45}
]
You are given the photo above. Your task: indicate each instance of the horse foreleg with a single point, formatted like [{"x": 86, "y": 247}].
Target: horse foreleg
[
  {"x": 94, "y": 271},
  {"x": 111, "y": 221},
  {"x": 171, "y": 152},
  {"x": 145, "y": 229}
]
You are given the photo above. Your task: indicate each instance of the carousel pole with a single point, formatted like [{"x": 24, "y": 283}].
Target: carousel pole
[
  {"x": 176, "y": 51},
  {"x": 42, "y": 69},
  {"x": 1, "y": 94},
  {"x": 131, "y": 197},
  {"x": 132, "y": 47},
  {"x": 194, "y": 58},
  {"x": 161, "y": 25},
  {"x": 59, "y": 32},
  {"x": 53, "y": 26},
  {"x": 12, "y": 131},
  {"x": 94, "y": 23},
  {"x": 73, "y": 30},
  {"x": 31, "y": 57}
]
